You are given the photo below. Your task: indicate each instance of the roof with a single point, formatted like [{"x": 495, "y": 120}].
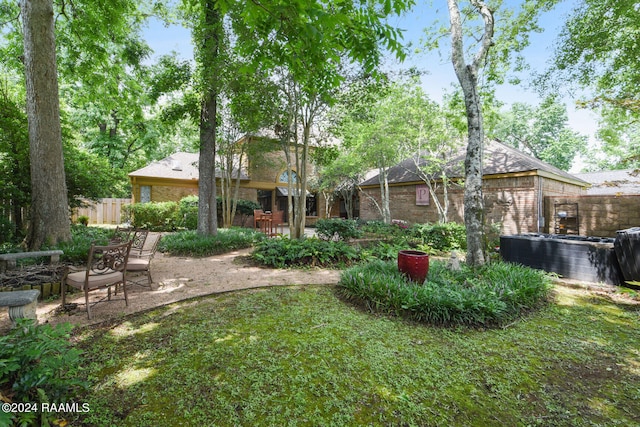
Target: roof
[
  {"x": 498, "y": 159},
  {"x": 615, "y": 182},
  {"x": 179, "y": 165}
]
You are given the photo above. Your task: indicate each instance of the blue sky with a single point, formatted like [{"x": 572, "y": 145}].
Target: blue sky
[{"x": 441, "y": 76}]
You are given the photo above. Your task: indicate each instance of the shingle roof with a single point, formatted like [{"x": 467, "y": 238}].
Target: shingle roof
[
  {"x": 179, "y": 165},
  {"x": 612, "y": 182},
  {"x": 498, "y": 159}
]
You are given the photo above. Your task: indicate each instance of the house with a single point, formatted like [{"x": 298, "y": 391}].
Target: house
[
  {"x": 611, "y": 203},
  {"x": 515, "y": 185},
  {"x": 263, "y": 178}
]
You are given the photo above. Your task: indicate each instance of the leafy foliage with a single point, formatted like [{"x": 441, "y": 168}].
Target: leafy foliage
[
  {"x": 190, "y": 243},
  {"x": 542, "y": 132},
  {"x": 308, "y": 252},
  {"x": 38, "y": 364},
  {"x": 153, "y": 216},
  {"x": 489, "y": 295},
  {"x": 442, "y": 237},
  {"x": 337, "y": 229},
  {"x": 77, "y": 249}
]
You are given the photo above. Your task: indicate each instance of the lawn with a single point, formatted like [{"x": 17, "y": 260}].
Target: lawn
[{"x": 302, "y": 356}]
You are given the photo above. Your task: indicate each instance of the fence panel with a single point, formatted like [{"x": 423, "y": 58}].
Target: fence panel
[{"x": 106, "y": 211}]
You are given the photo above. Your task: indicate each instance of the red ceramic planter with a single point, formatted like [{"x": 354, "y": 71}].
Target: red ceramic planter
[{"x": 414, "y": 264}]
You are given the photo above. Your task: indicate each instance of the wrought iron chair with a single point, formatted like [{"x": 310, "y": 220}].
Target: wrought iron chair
[
  {"x": 140, "y": 259},
  {"x": 105, "y": 268},
  {"x": 121, "y": 234}
]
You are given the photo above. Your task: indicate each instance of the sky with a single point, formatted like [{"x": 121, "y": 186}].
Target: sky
[{"x": 440, "y": 76}]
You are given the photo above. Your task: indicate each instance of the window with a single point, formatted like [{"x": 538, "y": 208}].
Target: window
[
  {"x": 145, "y": 193},
  {"x": 284, "y": 177}
]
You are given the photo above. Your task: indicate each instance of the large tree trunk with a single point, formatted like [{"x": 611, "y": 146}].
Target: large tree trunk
[
  {"x": 49, "y": 215},
  {"x": 468, "y": 78},
  {"x": 209, "y": 50}
]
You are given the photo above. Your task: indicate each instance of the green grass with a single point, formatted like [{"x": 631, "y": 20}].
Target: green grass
[{"x": 301, "y": 356}]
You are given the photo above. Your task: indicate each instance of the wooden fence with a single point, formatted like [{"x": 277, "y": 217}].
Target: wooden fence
[{"x": 106, "y": 211}]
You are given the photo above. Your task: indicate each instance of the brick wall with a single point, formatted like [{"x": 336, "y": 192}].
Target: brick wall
[
  {"x": 598, "y": 215},
  {"x": 511, "y": 202}
]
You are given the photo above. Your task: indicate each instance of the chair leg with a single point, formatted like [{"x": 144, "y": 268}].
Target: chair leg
[
  {"x": 124, "y": 289},
  {"x": 86, "y": 301}
]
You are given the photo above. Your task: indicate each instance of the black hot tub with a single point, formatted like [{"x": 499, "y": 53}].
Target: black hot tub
[{"x": 591, "y": 259}]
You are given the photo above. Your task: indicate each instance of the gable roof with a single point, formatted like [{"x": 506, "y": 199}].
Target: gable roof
[
  {"x": 612, "y": 182},
  {"x": 179, "y": 165},
  {"x": 499, "y": 159}
]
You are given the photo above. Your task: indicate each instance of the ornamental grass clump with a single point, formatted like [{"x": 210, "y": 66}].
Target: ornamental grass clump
[{"x": 491, "y": 295}]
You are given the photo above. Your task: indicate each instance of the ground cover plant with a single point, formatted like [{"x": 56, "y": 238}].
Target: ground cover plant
[
  {"x": 308, "y": 252},
  {"x": 75, "y": 250},
  {"x": 190, "y": 243},
  {"x": 493, "y": 294},
  {"x": 37, "y": 365},
  {"x": 300, "y": 356}
]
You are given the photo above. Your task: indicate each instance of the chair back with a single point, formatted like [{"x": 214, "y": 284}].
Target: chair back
[
  {"x": 139, "y": 238},
  {"x": 121, "y": 234},
  {"x": 256, "y": 214},
  {"x": 108, "y": 259},
  {"x": 277, "y": 217}
]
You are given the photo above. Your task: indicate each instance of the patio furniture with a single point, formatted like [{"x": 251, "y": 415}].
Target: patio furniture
[
  {"x": 257, "y": 213},
  {"x": 106, "y": 267},
  {"x": 121, "y": 234},
  {"x": 9, "y": 261},
  {"x": 277, "y": 220},
  {"x": 140, "y": 259},
  {"x": 22, "y": 304}
]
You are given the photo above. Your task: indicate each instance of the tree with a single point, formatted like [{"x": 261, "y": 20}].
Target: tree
[
  {"x": 542, "y": 132},
  {"x": 307, "y": 43},
  {"x": 598, "y": 48},
  {"x": 14, "y": 157},
  {"x": 619, "y": 131},
  {"x": 49, "y": 215},
  {"x": 468, "y": 77}
]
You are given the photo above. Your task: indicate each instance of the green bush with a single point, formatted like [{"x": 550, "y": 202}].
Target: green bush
[
  {"x": 190, "y": 243},
  {"x": 490, "y": 295},
  {"x": 76, "y": 250},
  {"x": 37, "y": 364},
  {"x": 285, "y": 252},
  {"x": 442, "y": 237},
  {"x": 188, "y": 212},
  {"x": 159, "y": 216},
  {"x": 382, "y": 229},
  {"x": 337, "y": 229}
]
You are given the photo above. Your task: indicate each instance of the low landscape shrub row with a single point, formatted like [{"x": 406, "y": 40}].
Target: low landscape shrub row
[{"x": 170, "y": 216}]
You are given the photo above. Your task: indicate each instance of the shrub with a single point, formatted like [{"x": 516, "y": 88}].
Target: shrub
[
  {"x": 337, "y": 229},
  {"x": 37, "y": 364},
  {"x": 83, "y": 220},
  {"x": 490, "y": 295},
  {"x": 382, "y": 229},
  {"x": 188, "y": 212},
  {"x": 285, "y": 252},
  {"x": 160, "y": 216},
  {"x": 442, "y": 237},
  {"x": 190, "y": 243},
  {"x": 77, "y": 249}
]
